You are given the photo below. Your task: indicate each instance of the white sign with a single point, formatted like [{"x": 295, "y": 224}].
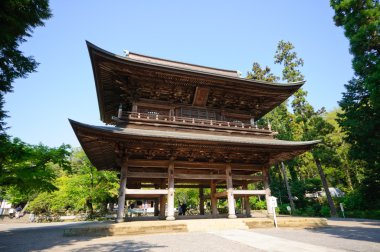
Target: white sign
[
  {"x": 273, "y": 201},
  {"x": 273, "y": 205}
]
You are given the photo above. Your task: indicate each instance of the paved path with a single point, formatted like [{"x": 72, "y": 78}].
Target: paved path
[{"x": 341, "y": 236}]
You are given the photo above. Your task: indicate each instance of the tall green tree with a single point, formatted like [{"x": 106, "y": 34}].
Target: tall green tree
[
  {"x": 27, "y": 170},
  {"x": 361, "y": 100},
  {"x": 17, "y": 20},
  {"x": 96, "y": 188},
  {"x": 259, "y": 73},
  {"x": 83, "y": 188},
  {"x": 280, "y": 120},
  {"x": 304, "y": 113}
]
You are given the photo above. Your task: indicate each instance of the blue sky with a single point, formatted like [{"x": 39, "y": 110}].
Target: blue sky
[{"x": 222, "y": 34}]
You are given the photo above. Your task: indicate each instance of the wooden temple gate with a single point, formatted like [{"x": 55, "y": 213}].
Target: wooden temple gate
[{"x": 183, "y": 125}]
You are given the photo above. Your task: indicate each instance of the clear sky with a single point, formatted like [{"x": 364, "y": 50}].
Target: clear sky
[{"x": 223, "y": 34}]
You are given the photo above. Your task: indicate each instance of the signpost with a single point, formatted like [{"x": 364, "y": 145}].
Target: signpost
[
  {"x": 289, "y": 209},
  {"x": 341, "y": 208},
  {"x": 273, "y": 204}
]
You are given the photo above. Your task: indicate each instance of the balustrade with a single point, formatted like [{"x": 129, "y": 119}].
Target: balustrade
[{"x": 193, "y": 121}]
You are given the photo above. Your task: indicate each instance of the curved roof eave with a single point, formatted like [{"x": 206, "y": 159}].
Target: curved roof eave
[
  {"x": 121, "y": 132},
  {"x": 123, "y": 59}
]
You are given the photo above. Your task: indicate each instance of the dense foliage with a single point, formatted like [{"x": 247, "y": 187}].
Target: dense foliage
[
  {"x": 83, "y": 189},
  {"x": 27, "y": 170},
  {"x": 17, "y": 20},
  {"x": 297, "y": 182},
  {"x": 55, "y": 180},
  {"x": 360, "y": 118}
]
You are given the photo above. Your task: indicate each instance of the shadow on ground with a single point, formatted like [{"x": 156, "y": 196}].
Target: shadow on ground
[
  {"x": 126, "y": 245},
  {"x": 47, "y": 237},
  {"x": 361, "y": 230}
]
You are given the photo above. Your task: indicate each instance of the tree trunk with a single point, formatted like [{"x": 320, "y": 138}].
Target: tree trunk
[
  {"x": 348, "y": 177},
  {"x": 326, "y": 187},
  {"x": 90, "y": 207},
  {"x": 23, "y": 210},
  {"x": 287, "y": 187}
]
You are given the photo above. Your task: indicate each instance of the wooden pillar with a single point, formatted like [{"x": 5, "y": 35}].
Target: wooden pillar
[
  {"x": 134, "y": 107},
  {"x": 267, "y": 189},
  {"x": 162, "y": 201},
  {"x": 201, "y": 202},
  {"x": 214, "y": 200},
  {"x": 246, "y": 201},
  {"x": 230, "y": 193},
  {"x": 123, "y": 184},
  {"x": 156, "y": 207},
  {"x": 170, "y": 216}
]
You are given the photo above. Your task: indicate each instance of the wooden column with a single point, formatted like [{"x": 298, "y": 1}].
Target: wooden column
[
  {"x": 230, "y": 193},
  {"x": 162, "y": 202},
  {"x": 170, "y": 216},
  {"x": 214, "y": 200},
  {"x": 246, "y": 201},
  {"x": 201, "y": 202},
  {"x": 134, "y": 107},
  {"x": 266, "y": 188},
  {"x": 156, "y": 207},
  {"x": 123, "y": 184}
]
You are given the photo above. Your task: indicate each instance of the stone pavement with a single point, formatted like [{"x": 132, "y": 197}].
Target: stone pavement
[{"x": 341, "y": 235}]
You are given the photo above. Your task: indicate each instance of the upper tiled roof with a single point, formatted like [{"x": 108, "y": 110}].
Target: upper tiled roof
[{"x": 172, "y": 63}]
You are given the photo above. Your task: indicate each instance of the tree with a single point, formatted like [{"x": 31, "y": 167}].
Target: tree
[
  {"x": 280, "y": 118},
  {"x": 259, "y": 73},
  {"x": 83, "y": 188},
  {"x": 89, "y": 186},
  {"x": 27, "y": 170},
  {"x": 304, "y": 113},
  {"x": 17, "y": 20},
  {"x": 361, "y": 101}
]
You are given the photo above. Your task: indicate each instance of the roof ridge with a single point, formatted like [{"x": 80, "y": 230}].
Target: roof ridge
[{"x": 184, "y": 63}]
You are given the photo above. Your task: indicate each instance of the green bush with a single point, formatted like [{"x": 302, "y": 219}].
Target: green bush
[
  {"x": 353, "y": 201},
  {"x": 309, "y": 211},
  {"x": 257, "y": 204},
  {"x": 325, "y": 211},
  {"x": 367, "y": 214},
  {"x": 41, "y": 204},
  {"x": 283, "y": 209}
]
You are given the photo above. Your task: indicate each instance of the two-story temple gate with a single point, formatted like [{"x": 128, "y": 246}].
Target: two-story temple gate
[{"x": 183, "y": 125}]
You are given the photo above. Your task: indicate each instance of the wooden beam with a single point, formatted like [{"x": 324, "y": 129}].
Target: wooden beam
[
  {"x": 198, "y": 165},
  {"x": 247, "y": 177},
  {"x": 148, "y": 163},
  {"x": 199, "y": 176},
  {"x": 221, "y": 194},
  {"x": 249, "y": 192},
  {"x": 193, "y": 165},
  {"x": 146, "y": 191},
  {"x": 147, "y": 174}
]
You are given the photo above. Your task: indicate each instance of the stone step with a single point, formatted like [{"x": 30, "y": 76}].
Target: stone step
[
  {"x": 301, "y": 222},
  {"x": 125, "y": 229},
  {"x": 192, "y": 225},
  {"x": 259, "y": 223}
]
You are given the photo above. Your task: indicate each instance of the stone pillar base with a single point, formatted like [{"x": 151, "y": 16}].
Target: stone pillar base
[
  {"x": 232, "y": 216},
  {"x": 119, "y": 220},
  {"x": 170, "y": 218}
]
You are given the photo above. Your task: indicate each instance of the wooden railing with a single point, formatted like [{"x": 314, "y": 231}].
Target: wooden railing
[{"x": 194, "y": 121}]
